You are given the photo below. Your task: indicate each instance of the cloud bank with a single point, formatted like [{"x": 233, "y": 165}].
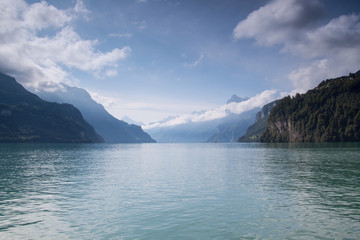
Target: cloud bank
[
  {"x": 38, "y": 45},
  {"x": 147, "y": 110},
  {"x": 329, "y": 50},
  {"x": 231, "y": 108}
]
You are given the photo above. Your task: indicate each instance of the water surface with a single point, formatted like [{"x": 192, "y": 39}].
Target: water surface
[{"x": 179, "y": 191}]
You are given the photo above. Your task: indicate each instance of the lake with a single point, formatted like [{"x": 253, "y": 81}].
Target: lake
[{"x": 180, "y": 191}]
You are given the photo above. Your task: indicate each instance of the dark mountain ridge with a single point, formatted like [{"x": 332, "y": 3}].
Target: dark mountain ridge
[
  {"x": 24, "y": 117},
  {"x": 110, "y": 128}
]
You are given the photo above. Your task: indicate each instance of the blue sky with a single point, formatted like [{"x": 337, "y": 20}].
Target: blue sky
[{"x": 149, "y": 59}]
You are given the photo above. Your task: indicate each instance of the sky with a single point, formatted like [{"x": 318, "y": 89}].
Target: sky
[{"x": 150, "y": 59}]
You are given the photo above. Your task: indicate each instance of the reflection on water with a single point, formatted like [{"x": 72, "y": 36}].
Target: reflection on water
[{"x": 192, "y": 191}]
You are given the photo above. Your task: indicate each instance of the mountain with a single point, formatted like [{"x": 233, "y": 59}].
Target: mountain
[
  {"x": 110, "y": 128},
  {"x": 24, "y": 117},
  {"x": 254, "y": 132},
  {"x": 233, "y": 126},
  {"x": 191, "y": 132},
  {"x": 130, "y": 121},
  {"x": 328, "y": 113},
  {"x": 235, "y": 98},
  {"x": 226, "y": 129}
]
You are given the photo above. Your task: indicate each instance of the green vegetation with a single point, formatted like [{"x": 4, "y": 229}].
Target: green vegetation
[
  {"x": 328, "y": 113},
  {"x": 254, "y": 132},
  {"x": 24, "y": 117}
]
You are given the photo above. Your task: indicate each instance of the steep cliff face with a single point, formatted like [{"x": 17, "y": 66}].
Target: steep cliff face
[
  {"x": 254, "y": 132},
  {"x": 285, "y": 131},
  {"x": 328, "y": 113},
  {"x": 265, "y": 110}
]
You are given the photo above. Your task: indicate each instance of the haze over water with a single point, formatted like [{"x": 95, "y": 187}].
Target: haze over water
[{"x": 179, "y": 191}]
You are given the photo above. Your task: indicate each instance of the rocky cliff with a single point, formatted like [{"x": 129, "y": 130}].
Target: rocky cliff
[{"x": 254, "y": 132}]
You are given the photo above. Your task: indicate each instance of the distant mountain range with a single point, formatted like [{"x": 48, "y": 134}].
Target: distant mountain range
[
  {"x": 24, "y": 117},
  {"x": 227, "y": 129},
  {"x": 328, "y": 113},
  {"x": 233, "y": 126},
  {"x": 110, "y": 128},
  {"x": 184, "y": 133}
]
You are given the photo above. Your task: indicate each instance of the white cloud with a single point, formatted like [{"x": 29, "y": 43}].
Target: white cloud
[
  {"x": 303, "y": 78},
  {"x": 111, "y": 73},
  {"x": 41, "y": 15},
  {"x": 236, "y": 108},
  {"x": 81, "y": 9},
  {"x": 279, "y": 22},
  {"x": 292, "y": 24},
  {"x": 67, "y": 48},
  {"x": 196, "y": 62},
  {"x": 146, "y": 110},
  {"x": 340, "y": 36},
  {"x": 34, "y": 59}
]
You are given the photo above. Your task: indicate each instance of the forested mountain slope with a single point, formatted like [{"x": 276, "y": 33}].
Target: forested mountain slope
[
  {"x": 24, "y": 117},
  {"x": 328, "y": 113}
]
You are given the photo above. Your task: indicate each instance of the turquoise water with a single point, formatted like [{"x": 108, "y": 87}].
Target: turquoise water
[{"x": 179, "y": 191}]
